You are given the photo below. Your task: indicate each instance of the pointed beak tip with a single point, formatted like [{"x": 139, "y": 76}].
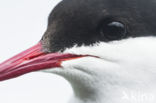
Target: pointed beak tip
[{"x": 33, "y": 59}]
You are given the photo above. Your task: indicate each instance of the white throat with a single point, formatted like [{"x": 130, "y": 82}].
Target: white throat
[
  {"x": 124, "y": 73},
  {"x": 108, "y": 86}
]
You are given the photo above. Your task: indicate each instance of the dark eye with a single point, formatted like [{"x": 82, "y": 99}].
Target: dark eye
[{"x": 113, "y": 30}]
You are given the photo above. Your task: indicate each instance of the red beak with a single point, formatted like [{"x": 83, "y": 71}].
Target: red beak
[{"x": 33, "y": 59}]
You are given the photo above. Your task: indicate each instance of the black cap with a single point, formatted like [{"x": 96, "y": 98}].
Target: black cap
[{"x": 85, "y": 22}]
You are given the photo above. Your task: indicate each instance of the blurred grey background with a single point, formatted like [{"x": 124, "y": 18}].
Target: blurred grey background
[{"x": 22, "y": 24}]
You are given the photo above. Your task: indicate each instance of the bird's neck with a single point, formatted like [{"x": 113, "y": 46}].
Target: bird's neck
[{"x": 114, "y": 94}]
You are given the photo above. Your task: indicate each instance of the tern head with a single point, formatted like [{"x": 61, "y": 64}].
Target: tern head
[{"x": 104, "y": 48}]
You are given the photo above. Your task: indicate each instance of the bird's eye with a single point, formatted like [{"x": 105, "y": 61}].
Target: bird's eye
[{"x": 113, "y": 30}]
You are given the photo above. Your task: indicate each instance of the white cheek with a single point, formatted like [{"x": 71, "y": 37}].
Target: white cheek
[
  {"x": 133, "y": 50},
  {"x": 91, "y": 66},
  {"x": 117, "y": 49},
  {"x": 125, "y": 57}
]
